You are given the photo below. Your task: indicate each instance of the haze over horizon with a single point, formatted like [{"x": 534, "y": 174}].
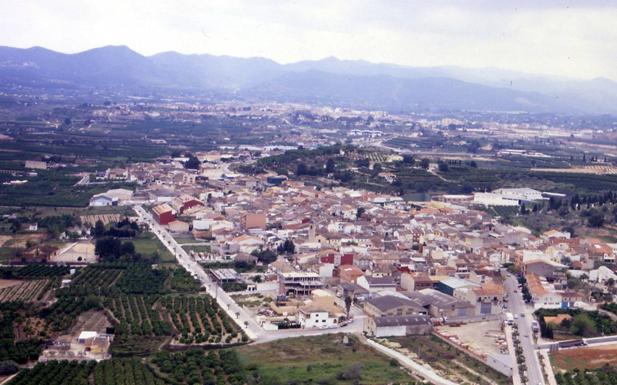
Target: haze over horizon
[{"x": 570, "y": 39}]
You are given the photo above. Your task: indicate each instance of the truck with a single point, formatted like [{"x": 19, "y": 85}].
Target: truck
[{"x": 509, "y": 318}]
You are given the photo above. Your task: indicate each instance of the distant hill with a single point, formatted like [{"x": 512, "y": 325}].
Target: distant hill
[
  {"x": 399, "y": 94},
  {"x": 330, "y": 81}
]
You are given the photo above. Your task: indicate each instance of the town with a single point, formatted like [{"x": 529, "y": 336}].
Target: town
[
  {"x": 265, "y": 243},
  {"x": 203, "y": 192}
]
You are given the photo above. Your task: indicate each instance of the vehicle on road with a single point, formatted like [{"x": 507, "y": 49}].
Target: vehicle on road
[
  {"x": 535, "y": 326},
  {"x": 509, "y": 319}
]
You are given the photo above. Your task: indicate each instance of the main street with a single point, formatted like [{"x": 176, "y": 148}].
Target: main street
[
  {"x": 517, "y": 307},
  {"x": 235, "y": 311}
]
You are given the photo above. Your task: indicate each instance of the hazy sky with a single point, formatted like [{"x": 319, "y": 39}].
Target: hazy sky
[{"x": 577, "y": 39}]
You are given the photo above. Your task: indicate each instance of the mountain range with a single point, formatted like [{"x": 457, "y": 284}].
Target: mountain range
[{"x": 331, "y": 81}]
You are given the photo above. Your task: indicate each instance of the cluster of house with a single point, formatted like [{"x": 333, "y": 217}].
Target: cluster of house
[
  {"x": 548, "y": 261},
  {"x": 435, "y": 260}
]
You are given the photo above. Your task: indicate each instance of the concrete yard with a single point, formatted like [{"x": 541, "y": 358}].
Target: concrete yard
[{"x": 481, "y": 337}]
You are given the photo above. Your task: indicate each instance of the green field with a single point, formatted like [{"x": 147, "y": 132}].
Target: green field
[
  {"x": 198, "y": 249},
  {"x": 148, "y": 244},
  {"x": 320, "y": 360},
  {"x": 5, "y": 254}
]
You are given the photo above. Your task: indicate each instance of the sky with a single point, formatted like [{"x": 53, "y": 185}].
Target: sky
[{"x": 564, "y": 38}]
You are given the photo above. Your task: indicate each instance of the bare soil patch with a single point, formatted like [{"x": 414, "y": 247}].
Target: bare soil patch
[
  {"x": 585, "y": 358},
  {"x": 4, "y": 283}
]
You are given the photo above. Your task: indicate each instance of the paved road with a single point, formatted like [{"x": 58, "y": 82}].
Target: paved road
[
  {"x": 83, "y": 181},
  {"x": 517, "y": 306},
  {"x": 236, "y": 312}
]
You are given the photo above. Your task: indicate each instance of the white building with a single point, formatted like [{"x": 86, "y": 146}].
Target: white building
[
  {"x": 398, "y": 326},
  {"x": 100, "y": 200},
  {"x": 507, "y": 197},
  {"x": 315, "y": 317},
  {"x": 111, "y": 197},
  {"x": 490, "y": 199},
  {"x": 520, "y": 194}
]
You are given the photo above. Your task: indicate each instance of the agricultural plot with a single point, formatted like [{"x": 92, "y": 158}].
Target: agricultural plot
[
  {"x": 200, "y": 320},
  {"x": 585, "y": 358},
  {"x": 109, "y": 372},
  {"x": 105, "y": 218},
  {"x": 55, "y": 373},
  {"x": 182, "y": 281},
  {"x": 10, "y": 349},
  {"x": 95, "y": 279},
  {"x": 26, "y": 291},
  {"x": 124, "y": 371},
  {"x": 19, "y": 241},
  {"x": 201, "y": 367},
  {"x": 324, "y": 359},
  {"x": 34, "y": 271},
  {"x": 62, "y": 314},
  {"x": 137, "y": 316},
  {"x": 191, "y": 319},
  {"x": 108, "y": 279},
  {"x": 141, "y": 278}
]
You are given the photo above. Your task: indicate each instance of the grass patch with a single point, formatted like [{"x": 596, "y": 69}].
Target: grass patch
[
  {"x": 322, "y": 359},
  {"x": 148, "y": 244}
]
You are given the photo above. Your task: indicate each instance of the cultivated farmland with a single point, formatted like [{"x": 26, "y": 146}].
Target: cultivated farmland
[
  {"x": 200, "y": 319},
  {"x": 26, "y": 291}
]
